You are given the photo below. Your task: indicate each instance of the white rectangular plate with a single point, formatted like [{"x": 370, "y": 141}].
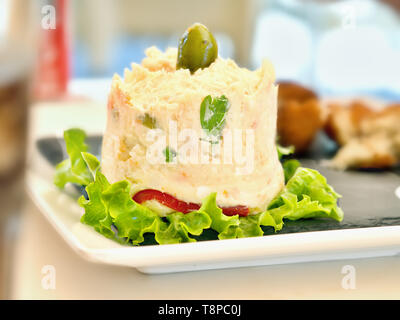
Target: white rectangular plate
[{"x": 62, "y": 211}]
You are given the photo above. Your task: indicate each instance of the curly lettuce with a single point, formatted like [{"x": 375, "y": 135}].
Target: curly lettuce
[
  {"x": 111, "y": 211},
  {"x": 74, "y": 169}
]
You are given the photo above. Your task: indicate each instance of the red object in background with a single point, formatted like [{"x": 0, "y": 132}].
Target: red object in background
[
  {"x": 52, "y": 72},
  {"x": 181, "y": 206}
]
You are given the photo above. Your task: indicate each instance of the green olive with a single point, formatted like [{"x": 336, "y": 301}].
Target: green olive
[{"x": 197, "y": 48}]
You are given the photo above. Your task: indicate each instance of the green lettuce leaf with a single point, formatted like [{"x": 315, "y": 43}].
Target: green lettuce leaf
[
  {"x": 289, "y": 168},
  {"x": 96, "y": 213},
  {"x": 92, "y": 163},
  {"x": 250, "y": 226},
  {"x": 230, "y": 227},
  {"x": 226, "y": 226},
  {"x": 73, "y": 169},
  {"x": 131, "y": 219},
  {"x": 181, "y": 225},
  {"x": 306, "y": 195}
]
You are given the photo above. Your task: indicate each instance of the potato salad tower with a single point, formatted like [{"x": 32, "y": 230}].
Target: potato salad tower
[{"x": 186, "y": 122}]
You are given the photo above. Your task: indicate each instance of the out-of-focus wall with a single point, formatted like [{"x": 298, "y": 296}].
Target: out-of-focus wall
[
  {"x": 21, "y": 21},
  {"x": 100, "y": 22},
  {"x": 235, "y": 18},
  {"x": 344, "y": 47}
]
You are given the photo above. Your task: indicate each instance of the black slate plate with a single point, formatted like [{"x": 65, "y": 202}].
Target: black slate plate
[{"x": 369, "y": 198}]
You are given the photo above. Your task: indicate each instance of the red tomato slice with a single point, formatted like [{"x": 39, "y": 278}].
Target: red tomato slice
[
  {"x": 242, "y": 211},
  {"x": 182, "y": 206},
  {"x": 165, "y": 199}
]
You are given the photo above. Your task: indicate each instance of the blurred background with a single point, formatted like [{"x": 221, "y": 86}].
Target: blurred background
[
  {"x": 348, "y": 46},
  {"x": 57, "y": 50}
]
